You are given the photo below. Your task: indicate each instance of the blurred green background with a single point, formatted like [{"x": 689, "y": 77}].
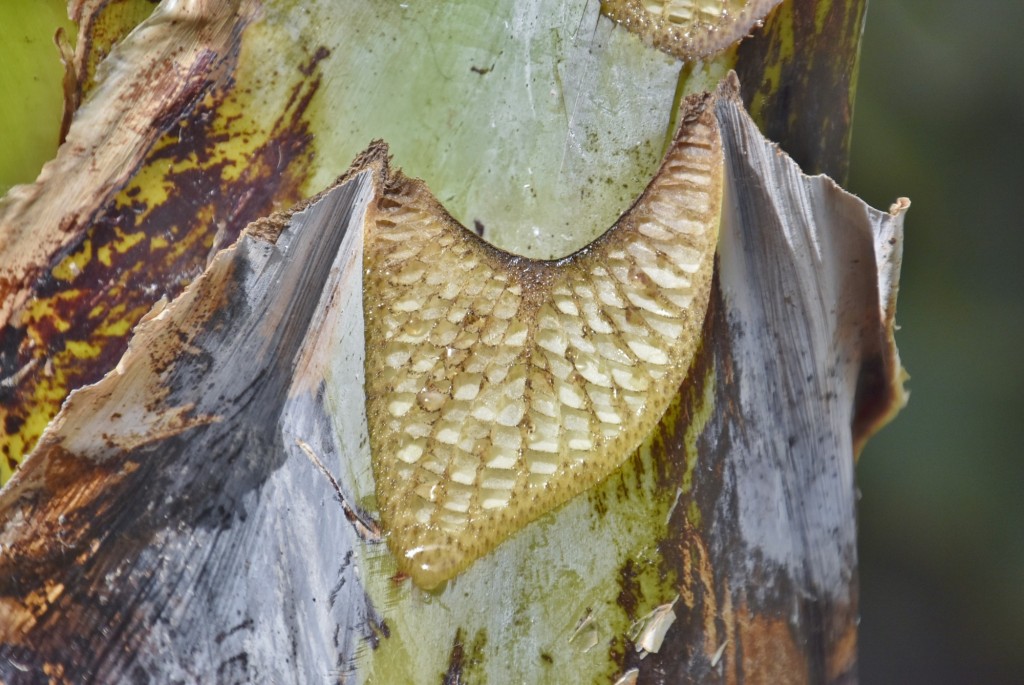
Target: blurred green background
[{"x": 940, "y": 119}]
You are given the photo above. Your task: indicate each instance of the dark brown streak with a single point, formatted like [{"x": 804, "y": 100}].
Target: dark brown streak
[{"x": 368, "y": 530}]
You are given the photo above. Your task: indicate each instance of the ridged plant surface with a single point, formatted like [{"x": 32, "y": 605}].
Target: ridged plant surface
[{"x": 498, "y": 386}]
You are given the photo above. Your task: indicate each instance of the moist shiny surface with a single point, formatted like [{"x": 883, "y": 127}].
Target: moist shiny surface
[{"x": 498, "y": 387}]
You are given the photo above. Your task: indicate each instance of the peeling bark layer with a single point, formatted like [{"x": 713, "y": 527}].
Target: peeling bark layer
[
  {"x": 206, "y": 511},
  {"x": 153, "y": 486},
  {"x": 153, "y": 179}
]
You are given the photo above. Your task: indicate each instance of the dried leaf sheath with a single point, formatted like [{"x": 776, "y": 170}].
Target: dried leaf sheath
[
  {"x": 498, "y": 387},
  {"x": 216, "y": 551}
]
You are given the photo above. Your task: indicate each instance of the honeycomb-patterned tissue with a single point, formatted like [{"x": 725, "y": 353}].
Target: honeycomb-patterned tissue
[
  {"x": 689, "y": 29},
  {"x": 499, "y": 387}
]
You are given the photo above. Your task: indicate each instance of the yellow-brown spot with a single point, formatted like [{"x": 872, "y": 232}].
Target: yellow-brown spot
[{"x": 215, "y": 168}]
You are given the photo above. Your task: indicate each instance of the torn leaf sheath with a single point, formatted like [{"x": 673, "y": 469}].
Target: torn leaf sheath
[
  {"x": 152, "y": 182},
  {"x": 108, "y": 143},
  {"x": 176, "y": 517},
  {"x": 144, "y": 519},
  {"x": 499, "y": 387}
]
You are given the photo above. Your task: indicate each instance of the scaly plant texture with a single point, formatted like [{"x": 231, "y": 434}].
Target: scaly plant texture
[{"x": 562, "y": 379}]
